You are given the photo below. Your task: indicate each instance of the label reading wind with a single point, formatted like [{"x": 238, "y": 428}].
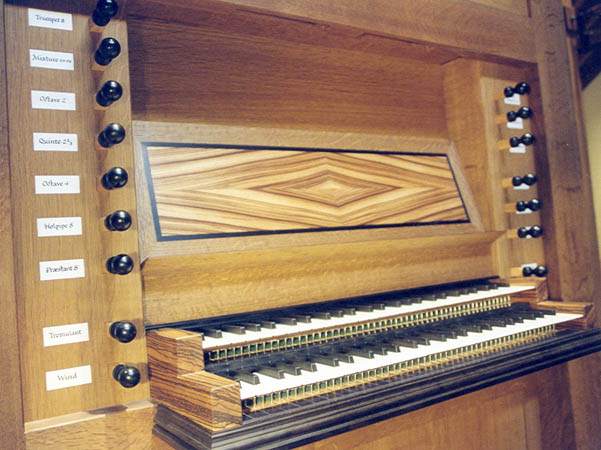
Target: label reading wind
[
  {"x": 64, "y": 101},
  {"x": 51, "y": 60},
  {"x": 59, "y": 270},
  {"x": 55, "y": 142},
  {"x": 64, "y": 378},
  {"x": 50, "y": 19},
  {"x": 65, "y": 334}
]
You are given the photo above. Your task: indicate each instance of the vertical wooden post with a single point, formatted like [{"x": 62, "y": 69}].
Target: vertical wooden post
[{"x": 11, "y": 418}]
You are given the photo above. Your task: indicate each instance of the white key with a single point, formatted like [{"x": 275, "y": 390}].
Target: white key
[{"x": 231, "y": 339}]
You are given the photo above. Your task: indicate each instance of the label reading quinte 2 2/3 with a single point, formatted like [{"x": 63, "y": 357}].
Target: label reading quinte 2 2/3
[
  {"x": 64, "y": 101},
  {"x": 59, "y": 226},
  {"x": 57, "y": 184},
  {"x": 55, "y": 142},
  {"x": 66, "y": 334},
  {"x": 64, "y": 378},
  {"x": 58, "y": 270},
  {"x": 51, "y": 60},
  {"x": 50, "y": 19}
]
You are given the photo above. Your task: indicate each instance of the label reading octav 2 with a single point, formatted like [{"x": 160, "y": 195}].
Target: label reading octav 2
[
  {"x": 63, "y": 101},
  {"x": 50, "y": 19}
]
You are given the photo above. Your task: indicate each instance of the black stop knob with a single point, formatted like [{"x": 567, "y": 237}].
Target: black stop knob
[
  {"x": 108, "y": 49},
  {"x": 110, "y": 92},
  {"x": 508, "y": 91},
  {"x": 523, "y": 232},
  {"x": 536, "y": 231},
  {"x": 120, "y": 264},
  {"x": 527, "y": 139},
  {"x": 521, "y": 206},
  {"x": 522, "y": 88},
  {"x": 529, "y": 179},
  {"x": 540, "y": 271},
  {"x": 118, "y": 221},
  {"x": 514, "y": 141},
  {"x": 123, "y": 331},
  {"x": 115, "y": 178},
  {"x": 127, "y": 376},
  {"x": 524, "y": 112},
  {"x": 113, "y": 134},
  {"x": 104, "y": 12},
  {"x": 535, "y": 204},
  {"x": 527, "y": 271}
]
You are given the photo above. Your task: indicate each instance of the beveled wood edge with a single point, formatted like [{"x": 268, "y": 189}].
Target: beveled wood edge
[{"x": 150, "y": 247}]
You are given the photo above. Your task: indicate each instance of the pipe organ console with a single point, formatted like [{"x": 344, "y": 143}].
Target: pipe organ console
[{"x": 253, "y": 224}]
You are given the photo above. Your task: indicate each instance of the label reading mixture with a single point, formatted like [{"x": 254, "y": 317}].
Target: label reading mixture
[
  {"x": 59, "y": 270},
  {"x": 50, "y": 19},
  {"x": 64, "y": 378},
  {"x": 517, "y": 124},
  {"x": 51, "y": 60},
  {"x": 64, "y": 101},
  {"x": 513, "y": 100},
  {"x": 521, "y": 148},
  {"x": 65, "y": 334},
  {"x": 57, "y": 184},
  {"x": 55, "y": 142},
  {"x": 59, "y": 226}
]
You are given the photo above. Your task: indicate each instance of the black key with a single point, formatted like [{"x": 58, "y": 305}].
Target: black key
[
  {"x": 475, "y": 328},
  {"x": 390, "y": 347},
  {"x": 440, "y": 295},
  {"x": 305, "y": 365},
  {"x": 434, "y": 336},
  {"x": 446, "y": 332},
  {"x": 422, "y": 340},
  {"x": 348, "y": 311},
  {"x": 324, "y": 315},
  {"x": 335, "y": 312},
  {"x": 271, "y": 372},
  {"x": 325, "y": 359},
  {"x": 212, "y": 332},
  {"x": 252, "y": 326},
  {"x": 379, "y": 305},
  {"x": 247, "y": 377},
  {"x": 359, "y": 351},
  {"x": 269, "y": 324},
  {"x": 290, "y": 368},
  {"x": 303, "y": 318},
  {"x": 428, "y": 297},
  {"x": 483, "y": 287},
  {"x": 286, "y": 320},
  {"x": 364, "y": 307},
  {"x": 409, "y": 343},
  {"x": 236, "y": 329},
  {"x": 344, "y": 357},
  {"x": 454, "y": 292}
]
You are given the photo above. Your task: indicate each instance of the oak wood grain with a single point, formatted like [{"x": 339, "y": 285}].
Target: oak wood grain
[
  {"x": 227, "y": 283},
  {"x": 99, "y": 298},
  {"x": 433, "y": 21},
  {"x": 11, "y": 419}
]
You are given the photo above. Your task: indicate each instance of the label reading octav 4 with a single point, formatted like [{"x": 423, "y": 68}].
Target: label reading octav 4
[
  {"x": 46, "y": 59},
  {"x": 57, "y": 184},
  {"x": 50, "y": 19}
]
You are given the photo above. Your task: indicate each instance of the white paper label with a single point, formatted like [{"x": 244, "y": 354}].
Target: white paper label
[
  {"x": 55, "y": 142},
  {"x": 522, "y": 187},
  {"x": 64, "y": 378},
  {"x": 59, "y": 226},
  {"x": 58, "y": 270},
  {"x": 51, "y": 60},
  {"x": 53, "y": 100},
  {"x": 50, "y": 19},
  {"x": 57, "y": 184},
  {"x": 65, "y": 334},
  {"x": 531, "y": 265},
  {"x": 513, "y": 100},
  {"x": 517, "y": 124},
  {"x": 521, "y": 148},
  {"x": 526, "y": 211}
]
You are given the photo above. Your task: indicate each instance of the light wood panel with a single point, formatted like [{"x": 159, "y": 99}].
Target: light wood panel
[
  {"x": 99, "y": 298},
  {"x": 183, "y": 73},
  {"x": 201, "y": 191},
  {"x": 229, "y": 283},
  {"x": 11, "y": 419},
  {"x": 433, "y": 21}
]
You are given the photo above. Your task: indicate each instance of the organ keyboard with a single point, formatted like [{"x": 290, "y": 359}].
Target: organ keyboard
[{"x": 299, "y": 357}]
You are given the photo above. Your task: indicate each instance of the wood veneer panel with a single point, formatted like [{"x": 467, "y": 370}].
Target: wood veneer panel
[
  {"x": 99, "y": 298},
  {"x": 455, "y": 24},
  {"x": 183, "y": 73},
  {"x": 11, "y": 419},
  {"x": 204, "y": 191}
]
